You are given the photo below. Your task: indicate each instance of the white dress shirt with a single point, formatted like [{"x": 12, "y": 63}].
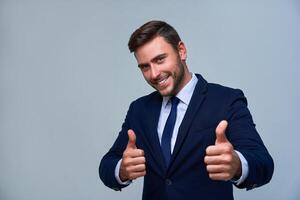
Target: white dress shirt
[{"x": 185, "y": 95}]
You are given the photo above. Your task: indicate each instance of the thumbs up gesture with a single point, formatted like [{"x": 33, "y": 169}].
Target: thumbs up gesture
[
  {"x": 222, "y": 162},
  {"x": 133, "y": 160}
]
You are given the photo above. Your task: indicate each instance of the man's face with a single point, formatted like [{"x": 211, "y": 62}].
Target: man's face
[{"x": 163, "y": 66}]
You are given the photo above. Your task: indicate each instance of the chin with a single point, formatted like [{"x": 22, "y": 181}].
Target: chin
[{"x": 166, "y": 92}]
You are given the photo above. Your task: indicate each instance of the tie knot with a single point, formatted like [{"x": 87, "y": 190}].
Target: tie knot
[{"x": 174, "y": 101}]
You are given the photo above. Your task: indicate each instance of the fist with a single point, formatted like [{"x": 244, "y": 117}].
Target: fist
[
  {"x": 133, "y": 160},
  {"x": 222, "y": 162}
]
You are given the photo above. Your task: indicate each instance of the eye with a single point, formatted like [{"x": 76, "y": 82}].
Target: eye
[
  {"x": 144, "y": 67},
  {"x": 160, "y": 60}
]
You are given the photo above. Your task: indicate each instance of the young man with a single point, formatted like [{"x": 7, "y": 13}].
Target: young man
[{"x": 189, "y": 139}]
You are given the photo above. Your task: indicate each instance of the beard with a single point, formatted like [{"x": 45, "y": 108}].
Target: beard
[{"x": 177, "y": 76}]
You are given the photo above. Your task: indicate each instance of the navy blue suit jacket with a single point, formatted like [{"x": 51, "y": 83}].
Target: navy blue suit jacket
[{"x": 187, "y": 177}]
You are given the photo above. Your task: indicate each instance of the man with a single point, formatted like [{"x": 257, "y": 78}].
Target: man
[{"x": 189, "y": 139}]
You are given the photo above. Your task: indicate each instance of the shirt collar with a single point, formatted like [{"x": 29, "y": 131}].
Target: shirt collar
[{"x": 185, "y": 94}]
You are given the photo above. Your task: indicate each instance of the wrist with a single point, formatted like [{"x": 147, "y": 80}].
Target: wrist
[
  {"x": 117, "y": 174},
  {"x": 122, "y": 177},
  {"x": 238, "y": 172}
]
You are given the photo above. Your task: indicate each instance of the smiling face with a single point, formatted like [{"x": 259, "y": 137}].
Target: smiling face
[{"x": 162, "y": 66}]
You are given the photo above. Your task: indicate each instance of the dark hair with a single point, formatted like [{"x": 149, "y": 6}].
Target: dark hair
[{"x": 149, "y": 31}]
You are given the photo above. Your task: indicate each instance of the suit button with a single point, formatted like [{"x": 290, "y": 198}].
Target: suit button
[{"x": 168, "y": 182}]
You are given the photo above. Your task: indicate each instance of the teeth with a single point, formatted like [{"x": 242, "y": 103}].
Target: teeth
[{"x": 162, "y": 81}]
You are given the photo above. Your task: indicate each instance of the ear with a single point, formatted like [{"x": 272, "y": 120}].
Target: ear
[{"x": 182, "y": 51}]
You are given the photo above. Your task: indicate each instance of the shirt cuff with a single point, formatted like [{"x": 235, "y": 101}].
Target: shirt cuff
[
  {"x": 117, "y": 170},
  {"x": 245, "y": 169}
]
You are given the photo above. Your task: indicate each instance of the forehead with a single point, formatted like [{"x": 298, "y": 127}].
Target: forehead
[{"x": 153, "y": 48}]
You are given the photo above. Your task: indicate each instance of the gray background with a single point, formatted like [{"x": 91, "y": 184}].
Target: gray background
[{"x": 67, "y": 78}]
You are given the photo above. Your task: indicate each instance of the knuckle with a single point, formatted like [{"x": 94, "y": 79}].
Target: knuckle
[
  {"x": 135, "y": 151},
  {"x": 228, "y": 158},
  {"x": 143, "y": 160},
  {"x": 208, "y": 168},
  {"x": 208, "y": 149},
  {"x": 127, "y": 169},
  {"x": 125, "y": 153},
  {"x": 128, "y": 161},
  {"x": 143, "y": 166},
  {"x": 142, "y": 152},
  {"x": 128, "y": 153},
  {"x": 227, "y": 176},
  {"x": 226, "y": 168},
  {"x": 228, "y": 148},
  {"x": 205, "y": 159},
  {"x": 125, "y": 162},
  {"x": 139, "y": 152}
]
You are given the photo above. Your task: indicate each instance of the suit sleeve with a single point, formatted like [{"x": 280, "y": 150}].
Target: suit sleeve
[
  {"x": 245, "y": 139},
  {"x": 111, "y": 158}
]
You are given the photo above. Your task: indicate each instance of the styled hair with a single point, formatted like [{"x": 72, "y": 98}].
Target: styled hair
[{"x": 149, "y": 31}]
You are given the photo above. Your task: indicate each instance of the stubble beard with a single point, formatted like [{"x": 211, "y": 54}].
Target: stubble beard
[{"x": 178, "y": 79}]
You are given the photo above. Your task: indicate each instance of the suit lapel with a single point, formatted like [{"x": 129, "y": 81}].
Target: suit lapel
[
  {"x": 153, "y": 112},
  {"x": 194, "y": 105}
]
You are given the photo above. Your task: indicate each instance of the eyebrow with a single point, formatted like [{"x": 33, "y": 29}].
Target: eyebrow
[{"x": 163, "y": 55}]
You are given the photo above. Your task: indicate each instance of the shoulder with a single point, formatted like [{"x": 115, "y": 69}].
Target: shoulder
[
  {"x": 225, "y": 95},
  {"x": 146, "y": 100},
  {"x": 221, "y": 90},
  {"x": 220, "y": 94},
  {"x": 216, "y": 90}
]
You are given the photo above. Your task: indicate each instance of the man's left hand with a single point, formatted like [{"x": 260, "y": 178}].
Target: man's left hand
[{"x": 222, "y": 162}]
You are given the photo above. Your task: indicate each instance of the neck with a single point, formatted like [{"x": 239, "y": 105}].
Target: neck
[{"x": 187, "y": 76}]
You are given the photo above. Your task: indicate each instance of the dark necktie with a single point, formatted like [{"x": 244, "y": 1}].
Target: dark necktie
[{"x": 168, "y": 130}]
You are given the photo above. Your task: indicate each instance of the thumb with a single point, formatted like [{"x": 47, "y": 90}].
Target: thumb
[
  {"x": 131, "y": 139},
  {"x": 220, "y": 132}
]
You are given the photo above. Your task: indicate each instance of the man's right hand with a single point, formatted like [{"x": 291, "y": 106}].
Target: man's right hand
[{"x": 133, "y": 160}]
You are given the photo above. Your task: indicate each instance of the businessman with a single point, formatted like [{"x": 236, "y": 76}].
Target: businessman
[{"x": 189, "y": 139}]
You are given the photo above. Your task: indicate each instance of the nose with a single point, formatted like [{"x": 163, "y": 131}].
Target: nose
[{"x": 154, "y": 72}]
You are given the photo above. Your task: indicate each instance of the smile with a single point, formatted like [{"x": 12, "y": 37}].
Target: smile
[{"x": 161, "y": 83}]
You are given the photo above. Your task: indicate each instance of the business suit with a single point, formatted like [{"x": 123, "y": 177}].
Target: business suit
[{"x": 186, "y": 177}]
